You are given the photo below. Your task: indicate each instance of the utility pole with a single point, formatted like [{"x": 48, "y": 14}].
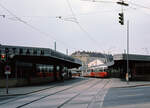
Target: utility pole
[
  {"x": 127, "y": 74},
  {"x": 55, "y": 45},
  {"x": 67, "y": 51}
]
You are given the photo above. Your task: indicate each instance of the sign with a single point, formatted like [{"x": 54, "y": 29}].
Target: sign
[
  {"x": 7, "y": 70},
  {"x": 7, "y": 73}
]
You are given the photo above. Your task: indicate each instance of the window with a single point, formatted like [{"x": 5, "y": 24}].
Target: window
[
  {"x": 14, "y": 50},
  {"x": 28, "y": 52},
  {"x": 51, "y": 68},
  {"x": 6, "y": 50},
  {"x": 20, "y": 51},
  {"x": 35, "y": 52},
  {"x": 42, "y": 52},
  {"x": 57, "y": 68}
]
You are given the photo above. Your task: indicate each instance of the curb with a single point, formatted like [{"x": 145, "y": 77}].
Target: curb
[
  {"x": 11, "y": 95},
  {"x": 130, "y": 86},
  {"x": 34, "y": 91}
]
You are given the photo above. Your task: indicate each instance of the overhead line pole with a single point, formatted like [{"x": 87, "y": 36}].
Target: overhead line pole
[
  {"x": 127, "y": 52},
  {"x": 55, "y": 45}
]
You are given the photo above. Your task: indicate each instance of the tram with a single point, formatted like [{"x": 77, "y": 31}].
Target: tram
[{"x": 99, "y": 72}]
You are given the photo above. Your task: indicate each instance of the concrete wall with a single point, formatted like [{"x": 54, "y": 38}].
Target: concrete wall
[
  {"x": 23, "y": 82},
  {"x": 11, "y": 82}
]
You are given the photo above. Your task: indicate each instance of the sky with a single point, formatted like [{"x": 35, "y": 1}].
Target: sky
[{"x": 76, "y": 25}]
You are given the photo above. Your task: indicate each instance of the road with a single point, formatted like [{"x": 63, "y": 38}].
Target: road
[
  {"x": 83, "y": 93},
  {"x": 132, "y": 97}
]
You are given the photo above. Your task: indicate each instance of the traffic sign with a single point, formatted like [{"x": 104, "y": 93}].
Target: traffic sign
[
  {"x": 7, "y": 68},
  {"x": 7, "y": 73}
]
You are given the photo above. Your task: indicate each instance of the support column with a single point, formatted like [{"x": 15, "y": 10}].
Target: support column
[
  {"x": 54, "y": 72},
  {"x": 60, "y": 73}
]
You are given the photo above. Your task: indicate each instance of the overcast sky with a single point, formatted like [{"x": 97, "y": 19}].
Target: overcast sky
[{"x": 92, "y": 27}]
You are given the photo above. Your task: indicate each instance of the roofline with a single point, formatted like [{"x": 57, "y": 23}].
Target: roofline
[
  {"x": 135, "y": 57},
  {"x": 39, "y": 48}
]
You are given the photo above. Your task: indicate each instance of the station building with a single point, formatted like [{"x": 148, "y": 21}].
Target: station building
[
  {"x": 32, "y": 65},
  {"x": 139, "y": 66}
]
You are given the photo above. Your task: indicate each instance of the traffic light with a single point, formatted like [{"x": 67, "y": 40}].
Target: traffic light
[
  {"x": 3, "y": 57},
  {"x": 121, "y": 18}
]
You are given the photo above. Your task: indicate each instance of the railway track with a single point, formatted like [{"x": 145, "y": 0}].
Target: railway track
[
  {"x": 98, "y": 98},
  {"x": 68, "y": 94},
  {"x": 89, "y": 87},
  {"x": 90, "y": 104},
  {"x": 40, "y": 92}
]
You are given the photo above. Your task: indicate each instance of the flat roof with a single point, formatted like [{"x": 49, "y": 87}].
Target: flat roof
[
  {"x": 134, "y": 57},
  {"x": 47, "y": 52}
]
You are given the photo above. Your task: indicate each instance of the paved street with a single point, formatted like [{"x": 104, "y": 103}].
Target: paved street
[
  {"x": 80, "y": 93},
  {"x": 134, "y": 97}
]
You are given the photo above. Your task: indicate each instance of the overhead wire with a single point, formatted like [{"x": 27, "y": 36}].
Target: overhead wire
[
  {"x": 138, "y": 5},
  {"x": 81, "y": 27},
  {"x": 31, "y": 26}
]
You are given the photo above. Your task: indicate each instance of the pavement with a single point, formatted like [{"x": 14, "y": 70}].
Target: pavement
[
  {"x": 128, "y": 97},
  {"x": 116, "y": 83},
  {"x": 24, "y": 90},
  {"x": 119, "y": 83}
]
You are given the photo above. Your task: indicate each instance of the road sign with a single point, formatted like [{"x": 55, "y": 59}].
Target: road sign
[
  {"x": 7, "y": 70},
  {"x": 7, "y": 73}
]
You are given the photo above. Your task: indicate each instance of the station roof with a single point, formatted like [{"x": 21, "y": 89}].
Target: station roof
[
  {"x": 38, "y": 53},
  {"x": 134, "y": 57}
]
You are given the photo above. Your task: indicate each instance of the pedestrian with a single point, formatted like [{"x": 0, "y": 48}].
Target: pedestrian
[{"x": 63, "y": 76}]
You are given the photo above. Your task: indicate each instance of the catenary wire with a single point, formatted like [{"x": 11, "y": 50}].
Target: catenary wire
[
  {"x": 33, "y": 27},
  {"x": 81, "y": 27},
  {"x": 138, "y": 5}
]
